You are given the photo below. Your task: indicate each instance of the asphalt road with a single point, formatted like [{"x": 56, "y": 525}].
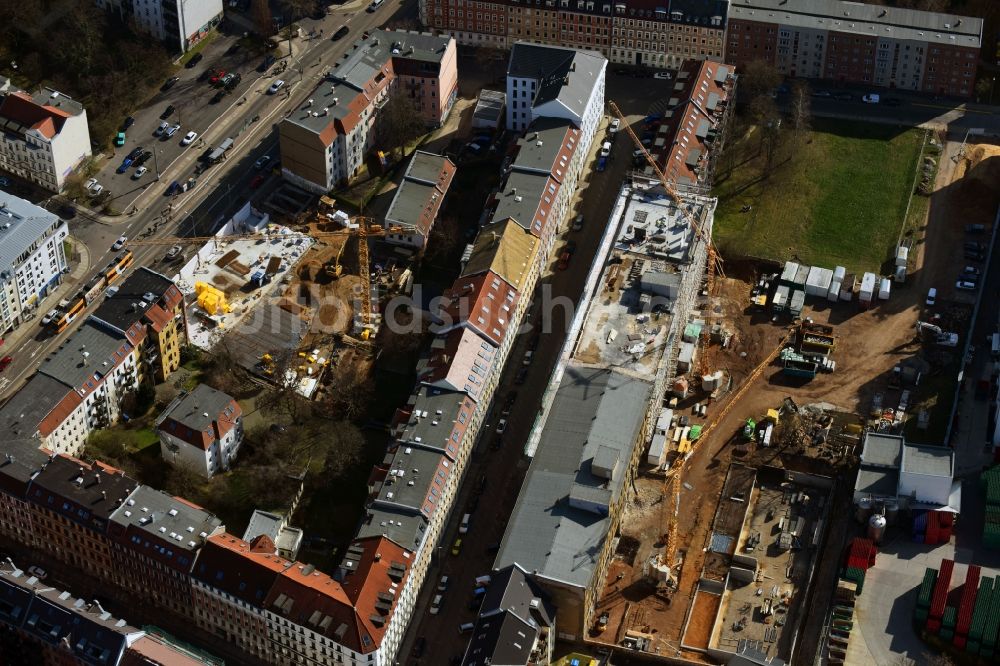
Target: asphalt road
[{"x": 221, "y": 190}]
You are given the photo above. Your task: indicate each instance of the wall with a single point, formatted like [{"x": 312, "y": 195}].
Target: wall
[
  {"x": 70, "y": 147},
  {"x": 176, "y": 452}
]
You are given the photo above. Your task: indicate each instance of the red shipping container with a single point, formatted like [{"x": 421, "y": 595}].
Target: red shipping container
[
  {"x": 968, "y": 602},
  {"x": 946, "y": 518},
  {"x": 940, "y": 596},
  {"x": 931, "y": 536},
  {"x": 933, "y": 625},
  {"x": 959, "y": 642}
]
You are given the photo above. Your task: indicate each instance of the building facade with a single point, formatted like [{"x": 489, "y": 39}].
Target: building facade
[
  {"x": 850, "y": 42},
  {"x": 324, "y": 142},
  {"x": 631, "y": 32},
  {"x": 32, "y": 257},
  {"x": 201, "y": 430},
  {"x": 45, "y": 136},
  {"x": 179, "y": 24}
]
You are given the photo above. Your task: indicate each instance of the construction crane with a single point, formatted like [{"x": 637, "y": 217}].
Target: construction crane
[{"x": 672, "y": 482}]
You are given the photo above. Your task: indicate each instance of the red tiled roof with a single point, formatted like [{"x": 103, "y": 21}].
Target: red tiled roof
[
  {"x": 150, "y": 650},
  {"x": 485, "y": 302},
  {"x": 19, "y": 107},
  {"x": 59, "y": 413},
  {"x": 230, "y": 564}
]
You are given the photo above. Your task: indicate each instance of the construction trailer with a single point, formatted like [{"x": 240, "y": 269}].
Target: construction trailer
[
  {"x": 867, "y": 290},
  {"x": 794, "y": 275},
  {"x": 818, "y": 281},
  {"x": 781, "y": 297},
  {"x": 848, "y": 287},
  {"x": 796, "y": 303}
]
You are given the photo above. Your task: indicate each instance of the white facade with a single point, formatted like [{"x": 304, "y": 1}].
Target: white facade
[
  {"x": 179, "y": 23},
  {"x": 45, "y": 152},
  {"x": 32, "y": 257},
  {"x": 218, "y": 457}
]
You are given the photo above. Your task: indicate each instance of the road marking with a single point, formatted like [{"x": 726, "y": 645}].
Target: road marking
[
  {"x": 34, "y": 353},
  {"x": 953, "y": 108}
]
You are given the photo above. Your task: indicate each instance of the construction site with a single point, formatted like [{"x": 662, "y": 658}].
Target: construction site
[
  {"x": 757, "y": 429},
  {"x": 291, "y": 304}
]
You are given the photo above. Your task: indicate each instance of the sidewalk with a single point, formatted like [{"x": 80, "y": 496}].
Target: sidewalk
[{"x": 70, "y": 283}]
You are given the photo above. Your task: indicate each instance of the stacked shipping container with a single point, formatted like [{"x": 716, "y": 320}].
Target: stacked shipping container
[
  {"x": 973, "y": 623},
  {"x": 990, "y": 482}
]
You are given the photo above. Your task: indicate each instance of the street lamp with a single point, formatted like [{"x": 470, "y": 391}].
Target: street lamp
[{"x": 156, "y": 165}]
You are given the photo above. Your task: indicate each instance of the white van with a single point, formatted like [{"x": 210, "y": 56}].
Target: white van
[
  {"x": 464, "y": 527},
  {"x": 482, "y": 581},
  {"x": 375, "y": 5},
  {"x": 931, "y": 296},
  {"x": 605, "y": 149}
]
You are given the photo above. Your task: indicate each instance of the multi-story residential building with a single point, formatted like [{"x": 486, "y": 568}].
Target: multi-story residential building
[
  {"x": 631, "y": 32},
  {"x": 155, "y": 539},
  {"x": 179, "y": 24},
  {"x": 32, "y": 257},
  {"x": 851, "y": 42},
  {"x": 45, "y": 136},
  {"x": 80, "y": 387},
  {"x": 541, "y": 182},
  {"x": 324, "y": 142},
  {"x": 515, "y": 625},
  {"x": 418, "y": 200},
  {"x": 693, "y": 131},
  {"x": 21, "y": 460},
  {"x": 201, "y": 430},
  {"x": 555, "y": 82},
  {"x": 149, "y": 302},
  {"x": 50, "y": 627}
]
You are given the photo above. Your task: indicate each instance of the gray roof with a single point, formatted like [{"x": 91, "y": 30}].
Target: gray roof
[
  {"x": 418, "y": 191},
  {"x": 563, "y": 74},
  {"x": 877, "y": 481},
  {"x": 861, "y": 19},
  {"x": 19, "y": 460},
  {"x": 23, "y": 413},
  {"x": 434, "y": 430},
  {"x": 161, "y": 515},
  {"x": 882, "y": 450},
  {"x": 361, "y": 62},
  {"x": 28, "y": 223},
  {"x": 91, "y": 351},
  {"x": 410, "y": 480},
  {"x": 54, "y": 98},
  {"x": 425, "y": 167},
  {"x": 504, "y": 639},
  {"x": 519, "y": 197},
  {"x": 405, "y": 529},
  {"x": 197, "y": 409},
  {"x": 929, "y": 460},
  {"x": 511, "y": 590},
  {"x": 490, "y": 105},
  {"x": 593, "y": 407},
  {"x": 84, "y": 494},
  {"x": 136, "y": 294},
  {"x": 540, "y": 145}
]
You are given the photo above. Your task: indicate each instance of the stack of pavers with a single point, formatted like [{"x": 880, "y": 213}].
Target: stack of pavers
[
  {"x": 841, "y": 622},
  {"x": 924, "y": 598},
  {"x": 966, "y": 605},
  {"x": 990, "y": 481},
  {"x": 940, "y": 597}
]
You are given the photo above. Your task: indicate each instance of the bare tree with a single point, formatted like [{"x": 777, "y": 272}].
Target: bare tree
[
  {"x": 801, "y": 111},
  {"x": 758, "y": 79},
  {"x": 399, "y": 121}
]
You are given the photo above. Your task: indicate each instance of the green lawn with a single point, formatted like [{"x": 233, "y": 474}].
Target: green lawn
[{"x": 837, "y": 199}]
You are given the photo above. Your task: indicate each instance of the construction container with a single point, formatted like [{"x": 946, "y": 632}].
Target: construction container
[
  {"x": 900, "y": 275},
  {"x": 779, "y": 303},
  {"x": 848, "y": 286},
  {"x": 967, "y": 603},
  {"x": 685, "y": 357},
  {"x": 839, "y": 273},
  {"x": 833, "y": 293},
  {"x": 981, "y": 613},
  {"x": 800, "y": 368},
  {"x": 796, "y": 303},
  {"x": 657, "y": 450},
  {"x": 818, "y": 281},
  {"x": 941, "y": 587},
  {"x": 884, "y": 287},
  {"x": 948, "y": 623},
  {"x": 989, "y": 481},
  {"x": 866, "y": 292},
  {"x": 788, "y": 274},
  {"x": 902, "y": 255},
  {"x": 924, "y": 596},
  {"x": 680, "y": 387}
]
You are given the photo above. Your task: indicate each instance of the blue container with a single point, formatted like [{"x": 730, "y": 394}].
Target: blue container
[{"x": 920, "y": 522}]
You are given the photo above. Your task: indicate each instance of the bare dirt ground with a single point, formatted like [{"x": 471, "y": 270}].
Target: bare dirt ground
[{"x": 869, "y": 344}]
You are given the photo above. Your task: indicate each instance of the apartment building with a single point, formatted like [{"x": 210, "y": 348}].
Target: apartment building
[
  {"x": 693, "y": 130},
  {"x": 850, "y": 42},
  {"x": 631, "y": 32},
  {"x": 179, "y": 24},
  {"x": 202, "y": 430},
  {"x": 47, "y": 626},
  {"x": 555, "y": 82},
  {"x": 324, "y": 142},
  {"x": 418, "y": 200},
  {"x": 149, "y": 302},
  {"x": 44, "y": 136},
  {"x": 32, "y": 258},
  {"x": 78, "y": 388}
]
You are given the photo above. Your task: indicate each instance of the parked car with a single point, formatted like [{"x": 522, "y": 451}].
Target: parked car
[
  {"x": 5, "y": 361},
  {"x": 233, "y": 82},
  {"x": 170, "y": 131},
  {"x": 93, "y": 186},
  {"x": 340, "y": 33},
  {"x": 123, "y": 167},
  {"x": 120, "y": 243},
  {"x": 602, "y": 164},
  {"x": 570, "y": 246},
  {"x": 374, "y": 5},
  {"x": 521, "y": 377},
  {"x": 161, "y": 128},
  {"x": 577, "y": 222},
  {"x": 975, "y": 228},
  {"x": 217, "y": 76},
  {"x": 195, "y": 59},
  {"x": 605, "y": 149},
  {"x": 129, "y": 121},
  {"x": 457, "y": 547},
  {"x": 443, "y": 583},
  {"x": 173, "y": 252},
  {"x": 50, "y": 316},
  {"x": 167, "y": 112},
  {"x": 217, "y": 97},
  {"x": 275, "y": 87},
  {"x": 527, "y": 357},
  {"x": 143, "y": 157},
  {"x": 871, "y": 98},
  {"x": 436, "y": 604},
  {"x": 170, "y": 83},
  {"x": 205, "y": 74},
  {"x": 173, "y": 188},
  {"x": 501, "y": 426},
  {"x": 189, "y": 138},
  {"x": 139, "y": 173},
  {"x": 931, "y": 296},
  {"x": 563, "y": 262},
  {"x": 120, "y": 139},
  {"x": 262, "y": 162},
  {"x": 822, "y": 93},
  {"x": 614, "y": 126},
  {"x": 663, "y": 75},
  {"x": 965, "y": 285}
]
